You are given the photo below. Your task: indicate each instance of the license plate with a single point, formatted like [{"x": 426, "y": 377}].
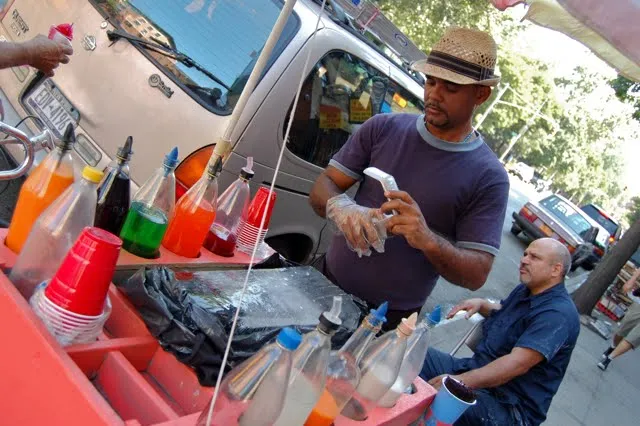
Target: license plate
[{"x": 52, "y": 107}]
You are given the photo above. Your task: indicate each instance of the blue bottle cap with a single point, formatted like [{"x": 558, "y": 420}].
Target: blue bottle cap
[
  {"x": 378, "y": 315},
  {"x": 435, "y": 316},
  {"x": 171, "y": 159},
  {"x": 289, "y": 338}
]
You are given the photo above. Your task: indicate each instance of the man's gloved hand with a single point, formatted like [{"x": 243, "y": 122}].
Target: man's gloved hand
[
  {"x": 46, "y": 55},
  {"x": 361, "y": 226}
]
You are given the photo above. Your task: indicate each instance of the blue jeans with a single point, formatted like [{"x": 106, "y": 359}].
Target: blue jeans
[{"x": 490, "y": 410}]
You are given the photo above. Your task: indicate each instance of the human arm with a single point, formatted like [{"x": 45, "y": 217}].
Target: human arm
[
  {"x": 355, "y": 222},
  {"x": 498, "y": 372},
  {"x": 478, "y": 230},
  {"x": 39, "y": 52},
  {"x": 328, "y": 198},
  {"x": 545, "y": 334},
  {"x": 330, "y": 183},
  {"x": 472, "y": 306},
  {"x": 631, "y": 282},
  {"x": 464, "y": 267}
]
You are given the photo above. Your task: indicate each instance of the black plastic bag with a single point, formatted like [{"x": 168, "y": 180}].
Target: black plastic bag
[{"x": 191, "y": 312}]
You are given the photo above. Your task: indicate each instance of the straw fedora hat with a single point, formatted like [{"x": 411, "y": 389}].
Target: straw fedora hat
[{"x": 462, "y": 56}]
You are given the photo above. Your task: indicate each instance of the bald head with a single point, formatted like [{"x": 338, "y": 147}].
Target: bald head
[
  {"x": 545, "y": 263},
  {"x": 559, "y": 253}
]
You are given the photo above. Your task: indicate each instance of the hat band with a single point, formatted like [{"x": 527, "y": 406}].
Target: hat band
[{"x": 459, "y": 66}]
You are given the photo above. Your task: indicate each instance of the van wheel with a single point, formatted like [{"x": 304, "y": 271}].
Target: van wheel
[
  {"x": 294, "y": 247},
  {"x": 515, "y": 230}
]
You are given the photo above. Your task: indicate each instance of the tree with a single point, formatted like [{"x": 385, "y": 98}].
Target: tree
[
  {"x": 621, "y": 85},
  {"x": 634, "y": 211},
  {"x": 587, "y": 296}
]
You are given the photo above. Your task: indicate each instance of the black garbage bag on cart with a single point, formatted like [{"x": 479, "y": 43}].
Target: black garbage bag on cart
[{"x": 191, "y": 312}]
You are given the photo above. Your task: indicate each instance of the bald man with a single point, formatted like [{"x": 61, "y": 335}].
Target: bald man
[{"x": 527, "y": 343}]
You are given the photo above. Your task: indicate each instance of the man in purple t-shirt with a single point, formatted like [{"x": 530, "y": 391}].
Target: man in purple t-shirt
[{"x": 449, "y": 212}]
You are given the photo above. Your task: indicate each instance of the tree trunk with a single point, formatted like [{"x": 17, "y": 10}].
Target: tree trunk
[{"x": 587, "y": 296}]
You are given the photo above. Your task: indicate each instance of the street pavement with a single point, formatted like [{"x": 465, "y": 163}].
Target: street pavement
[{"x": 587, "y": 396}]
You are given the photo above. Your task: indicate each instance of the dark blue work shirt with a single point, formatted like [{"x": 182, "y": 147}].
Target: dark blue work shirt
[{"x": 549, "y": 324}]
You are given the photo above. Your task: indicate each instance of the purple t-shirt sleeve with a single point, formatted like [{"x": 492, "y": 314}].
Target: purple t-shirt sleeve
[
  {"x": 355, "y": 154},
  {"x": 480, "y": 226}
]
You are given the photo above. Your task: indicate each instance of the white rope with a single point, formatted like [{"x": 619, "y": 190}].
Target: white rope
[{"x": 264, "y": 215}]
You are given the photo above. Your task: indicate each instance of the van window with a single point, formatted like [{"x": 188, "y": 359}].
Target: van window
[
  {"x": 596, "y": 214},
  {"x": 340, "y": 94},
  {"x": 223, "y": 37}
]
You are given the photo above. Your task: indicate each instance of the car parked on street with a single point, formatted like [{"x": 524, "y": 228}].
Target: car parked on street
[
  {"x": 597, "y": 213},
  {"x": 557, "y": 217},
  {"x": 522, "y": 171}
]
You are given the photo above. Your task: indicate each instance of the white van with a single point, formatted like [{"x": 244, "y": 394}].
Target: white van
[{"x": 116, "y": 88}]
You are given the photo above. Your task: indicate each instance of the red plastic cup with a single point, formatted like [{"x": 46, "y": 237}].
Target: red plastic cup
[
  {"x": 258, "y": 205},
  {"x": 81, "y": 283}
]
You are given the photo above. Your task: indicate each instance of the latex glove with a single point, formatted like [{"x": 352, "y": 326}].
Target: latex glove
[
  {"x": 362, "y": 227},
  {"x": 46, "y": 55}
]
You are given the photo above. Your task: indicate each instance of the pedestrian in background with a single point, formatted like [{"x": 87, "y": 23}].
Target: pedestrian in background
[{"x": 628, "y": 337}]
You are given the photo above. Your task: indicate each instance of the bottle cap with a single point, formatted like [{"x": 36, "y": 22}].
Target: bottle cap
[
  {"x": 66, "y": 30},
  {"x": 171, "y": 159},
  {"x": 289, "y": 338},
  {"x": 378, "y": 316},
  {"x": 68, "y": 138},
  {"x": 91, "y": 174},
  {"x": 330, "y": 320},
  {"x": 124, "y": 152},
  {"x": 247, "y": 171},
  {"x": 408, "y": 325},
  {"x": 434, "y": 317}
]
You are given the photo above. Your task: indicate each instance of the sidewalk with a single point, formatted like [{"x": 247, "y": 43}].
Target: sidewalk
[{"x": 587, "y": 396}]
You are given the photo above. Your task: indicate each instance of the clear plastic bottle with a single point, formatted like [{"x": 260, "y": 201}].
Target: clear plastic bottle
[
  {"x": 232, "y": 205},
  {"x": 151, "y": 209},
  {"x": 194, "y": 214},
  {"x": 47, "y": 181},
  {"x": 308, "y": 372},
  {"x": 370, "y": 327},
  {"x": 114, "y": 195},
  {"x": 413, "y": 360},
  {"x": 253, "y": 393},
  {"x": 55, "y": 231},
  {"x": 343, "y": 373},
  {"x": 379, "y": 369}
]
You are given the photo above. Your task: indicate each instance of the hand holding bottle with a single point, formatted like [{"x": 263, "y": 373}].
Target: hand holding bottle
[{"x": 46, "y": 55}]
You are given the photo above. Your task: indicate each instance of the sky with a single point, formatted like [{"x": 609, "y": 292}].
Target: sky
[{"x": 564, "y": 54}]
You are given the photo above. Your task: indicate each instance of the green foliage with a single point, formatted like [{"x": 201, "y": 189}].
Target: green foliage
[
  {"x": 621, "y": 86},
  {"x": 634, "y": 211},
  {"x": 424, "y": 21},
  {"x": 577, "y": 147}
]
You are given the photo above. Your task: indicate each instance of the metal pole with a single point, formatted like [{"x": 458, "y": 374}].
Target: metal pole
[
  {"x": 493, "y": 104},
  {"x": 223, "y": 145},
  {"x": 522, "y": 131}
]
